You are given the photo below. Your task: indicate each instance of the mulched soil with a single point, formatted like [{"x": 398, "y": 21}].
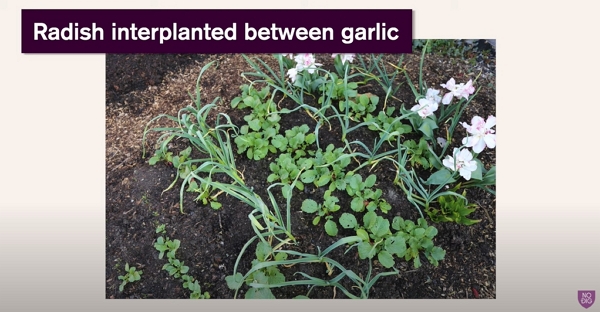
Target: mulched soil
[{"x": 140, "y": 87}]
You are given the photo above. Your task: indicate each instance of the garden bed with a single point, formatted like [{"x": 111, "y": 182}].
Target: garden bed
[{"x": 141, "y": 87}]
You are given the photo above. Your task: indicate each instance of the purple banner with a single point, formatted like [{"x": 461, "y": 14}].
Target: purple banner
[{"x": 216, "y": 31}]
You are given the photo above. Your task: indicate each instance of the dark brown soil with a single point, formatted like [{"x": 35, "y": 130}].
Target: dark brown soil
[{"x": 140, "y": 87}]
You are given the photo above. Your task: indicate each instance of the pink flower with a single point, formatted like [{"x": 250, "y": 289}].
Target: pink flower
[
  {"x": 345, "y": 57},
  {"x": 464, "y": 163},
  {"x": 481, "y": 133},
  {"x": 461, "y": 90}
]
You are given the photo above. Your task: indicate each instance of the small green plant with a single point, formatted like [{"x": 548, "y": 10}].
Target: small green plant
[
  {"x": 184, "y": 169},
  {"x": 360, "y": 106},
  {"x": 321, "y": 174},
  {"x": 452, "y": 209},
  {"x": 419, "y": 154},
  {"x": 192, "y": 284},
  {"x": 256, "y": 144},
  {"x": 161, "y": 229},
  {"x": 176, "y": 267},
  {"x": 131, "y": 275},
  {"x": 377, "y": 239},
  {"x": 408, "y": 240},
  {"x": 363, "y": 196},
  {"x": 298, "y": 140},
  {"x": 264, "y": 111},
  {"x": 385, "y": 123},
  {"x": 336, "y": 90},
  {"x": 261, "y": 133},
  {"x": 205, "y": 191},
  {"x": 419, "y": 238},
  {"x": 166, "y": 246},
  {"x": 286, "y": 169},
  {"x": 269, "y": 275},
  {"x": 323, "y": 210}
]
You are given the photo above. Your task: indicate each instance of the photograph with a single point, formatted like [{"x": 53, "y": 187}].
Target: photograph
[{"x": 302, "y": 175}]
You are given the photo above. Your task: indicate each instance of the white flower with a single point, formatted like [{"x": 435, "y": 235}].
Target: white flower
[
  {"x": 306, "y": 61},
  {"x": 481, "y": 133},
  {"x": 433, "y": 95},
  {"x": 345, "y": 57},
  {"x": 464, "y": 163},
  {"x": 425, "y": 107},
  {"x": 292, "y": 72}
]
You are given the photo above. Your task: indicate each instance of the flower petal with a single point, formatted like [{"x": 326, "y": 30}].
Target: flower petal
[
  {"x": 477, "y": 122},
  {"x": 447, "y": 98},
  {"x": 465, "y": 155},
  {"x": 292, "y": 72},
  {"x": 490, "y": 122},
  {"x": 449, "y": 163},
  {"x": 470, "y": 141},
  {"x": 465, "y": 173},
  {"x": 479, "y": 146},
  {"x": 471, "y": 165},
  {"x": 490, "y": 140},
  {"x": 449, "y": 85}
]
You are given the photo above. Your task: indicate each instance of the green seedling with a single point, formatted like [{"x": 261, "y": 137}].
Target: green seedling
[
  {"x": 363, "y": 196},
  {"x": 329, "y": 166},
  {"x": 131, "y": 275},
  {"x": 360, "y": 106},
  {"x": 452, "y": 209},
  {"x": 161, "y": 229},
  {"x": 205, "y": 191},
  {"x": 334, "y": 88},
  {"x": 323, "y": 210},
  {"x": 419, "y": 154},
  {"x": 254, "y": 144},
  {"x": 286, "y": 169},
  {"x": 419, "y": 238},
  {"x": 183, "y": 170},
  {"x": 166, "y": 246},
  {"x": 264, "y": 111},
  {"x": 261, "y": 133},
  {"x": 177, "y": 161},
  {"x": 384, "y": 122},
  {"x": 175, "y": 267},
  {"x": 269, "y": 275},
  {"x": 298, "y": 141},
  {"x": 407, "y": 241},
  {"x": 377, "y": 239},
  {"x": 192, "y": 284}
]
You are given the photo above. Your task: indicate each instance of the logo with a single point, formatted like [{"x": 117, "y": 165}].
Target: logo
[{"x": 586, "y": 298}]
